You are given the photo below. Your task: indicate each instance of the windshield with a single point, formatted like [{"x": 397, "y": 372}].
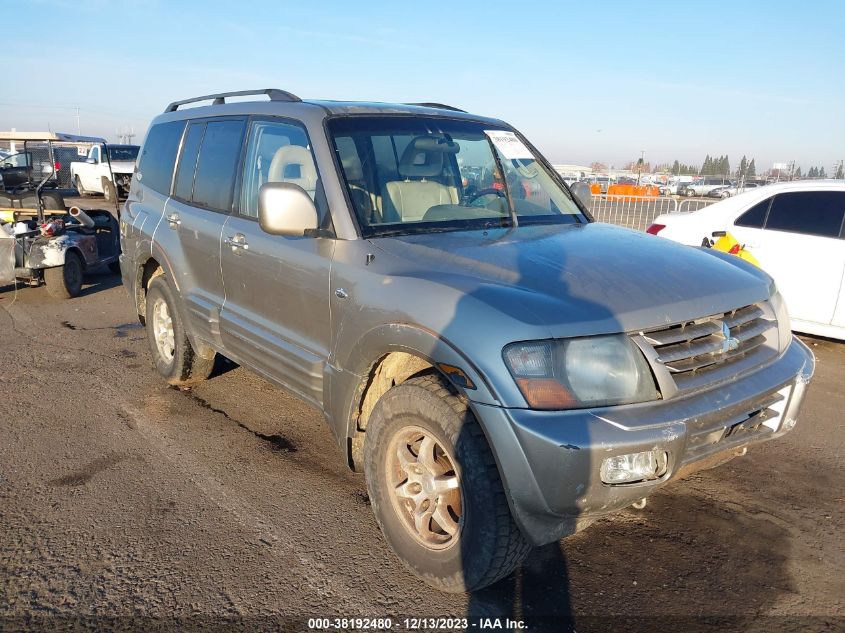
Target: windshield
[
  {"x": 413, "y": 174},
  {"x": 123, "y": 153}
]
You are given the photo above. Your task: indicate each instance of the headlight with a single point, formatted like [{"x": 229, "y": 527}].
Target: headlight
[
  {"x": 784, "y": 325},
  {"x": 583, "y": 372}
]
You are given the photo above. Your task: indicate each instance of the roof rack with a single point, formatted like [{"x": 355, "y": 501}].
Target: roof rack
[
  {"x": 220, "y": 98},
  {"x": 440, "y": 106}
]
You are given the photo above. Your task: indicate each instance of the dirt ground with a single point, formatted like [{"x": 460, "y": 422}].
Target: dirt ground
[{"x": 134, "y": 505}]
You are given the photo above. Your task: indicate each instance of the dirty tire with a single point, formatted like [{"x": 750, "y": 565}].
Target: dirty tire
[
  {"x": 78, "y": 184},
  {"x": 185, "y": 367},
  {"x": 65, "y": 282},
  {"x": 489, "y": 545},
  {"x": 109, "y": 192}
]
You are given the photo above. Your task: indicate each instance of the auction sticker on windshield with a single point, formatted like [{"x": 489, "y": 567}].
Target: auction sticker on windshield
[{"x": 508, "y": 144}]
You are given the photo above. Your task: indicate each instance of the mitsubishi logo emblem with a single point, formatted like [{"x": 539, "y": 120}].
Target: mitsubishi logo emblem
[{"x": 729, "y": 343}]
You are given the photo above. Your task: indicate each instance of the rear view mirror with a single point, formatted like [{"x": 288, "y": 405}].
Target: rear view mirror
[
  {"x": 91, "y": 161},
  {"x": 285, "y": 209}
]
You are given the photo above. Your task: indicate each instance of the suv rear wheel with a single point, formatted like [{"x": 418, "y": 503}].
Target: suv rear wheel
[
  {"x": 435, "y": 489},
  {"x": 173, "y": 355}
]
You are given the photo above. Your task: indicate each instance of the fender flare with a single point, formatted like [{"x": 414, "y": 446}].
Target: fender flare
[{"x": 350, "y": 371}]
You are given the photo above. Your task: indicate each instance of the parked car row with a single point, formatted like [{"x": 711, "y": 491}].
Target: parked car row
[
  {"x": 732, "y": 190},
  {"x": 106, "y": 169},
  {"x": 703, "y": 187}
]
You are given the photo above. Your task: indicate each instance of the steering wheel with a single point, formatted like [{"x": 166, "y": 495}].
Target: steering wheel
[{"x": 485, "y": 192}]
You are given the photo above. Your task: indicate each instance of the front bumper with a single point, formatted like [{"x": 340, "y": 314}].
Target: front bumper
[
  {"x": 123, "y": 181},
  {"x": 550, "y": 460}
]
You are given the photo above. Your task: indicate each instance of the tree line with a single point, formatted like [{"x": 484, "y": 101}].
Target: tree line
[
  {"x": 819, "y": 172},
  {"x": 721, "y": 166}
]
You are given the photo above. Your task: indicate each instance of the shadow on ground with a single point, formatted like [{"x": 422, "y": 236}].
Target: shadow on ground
[{"x": 684, "y": 556}]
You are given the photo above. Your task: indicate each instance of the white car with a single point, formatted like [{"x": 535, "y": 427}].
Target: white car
[
  {"x": 106, "y": 174},
  {"x": 796, "y": 231}
]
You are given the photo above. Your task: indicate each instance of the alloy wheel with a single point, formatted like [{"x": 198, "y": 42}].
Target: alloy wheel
[
  {"x": 162, "y": 325},
  {"x": 425, "y": 488}
]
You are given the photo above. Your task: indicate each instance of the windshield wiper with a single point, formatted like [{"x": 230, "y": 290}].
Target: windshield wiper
[{"x": 435, "y": 229}]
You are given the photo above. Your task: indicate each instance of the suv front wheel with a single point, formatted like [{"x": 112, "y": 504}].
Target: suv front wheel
[
  {"x": 435, "y": 489},
  {"x": 173, "y": 355}
]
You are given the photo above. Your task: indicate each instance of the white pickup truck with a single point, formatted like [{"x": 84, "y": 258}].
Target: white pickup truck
[{"x": 107, "y": 170}]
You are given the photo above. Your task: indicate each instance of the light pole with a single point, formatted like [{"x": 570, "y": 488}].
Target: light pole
[{"x": 640, "y": 164}]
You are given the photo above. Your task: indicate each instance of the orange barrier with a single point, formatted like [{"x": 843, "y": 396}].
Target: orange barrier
[
  {"x": 626, "y": 191},
  {"x": 595, "y": 189}
]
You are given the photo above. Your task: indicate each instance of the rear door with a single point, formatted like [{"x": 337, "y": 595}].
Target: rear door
[
  {"x": 276, "y": 314},
  {"x": 800, "y": 247},
  {"x": 202, "y": 198},
  {"x": 839, "y": 313}
]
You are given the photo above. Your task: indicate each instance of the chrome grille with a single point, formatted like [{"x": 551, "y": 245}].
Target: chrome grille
[{"x": 716, "y": 348}]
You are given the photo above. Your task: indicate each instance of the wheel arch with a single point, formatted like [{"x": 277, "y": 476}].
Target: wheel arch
[{"x": 387, "y": 356}]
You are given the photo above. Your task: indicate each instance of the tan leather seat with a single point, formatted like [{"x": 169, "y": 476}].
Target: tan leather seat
[
  {"x": 408, "y": 200},
  {"x": 295, "y": 164}
]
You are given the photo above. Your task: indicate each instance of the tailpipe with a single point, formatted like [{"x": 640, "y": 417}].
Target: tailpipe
[{"x": 80, "y": 216}]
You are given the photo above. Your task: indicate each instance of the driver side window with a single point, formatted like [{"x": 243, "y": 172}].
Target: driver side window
[
  {"x": 277, "y": 152},
  {"x": 23, "y": 159}
]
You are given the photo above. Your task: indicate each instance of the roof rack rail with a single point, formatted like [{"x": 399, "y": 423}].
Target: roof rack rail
[
  {"x": 220, "y": 98},
  {"x": 441, "y": 106}
]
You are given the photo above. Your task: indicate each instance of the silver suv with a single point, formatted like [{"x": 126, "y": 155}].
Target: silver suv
[{"x": 503, "y": 369}]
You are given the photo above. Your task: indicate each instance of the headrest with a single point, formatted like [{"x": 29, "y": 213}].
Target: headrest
[
  {"x": 424, "y": 156},
  {"x": 293, "y": 163}
]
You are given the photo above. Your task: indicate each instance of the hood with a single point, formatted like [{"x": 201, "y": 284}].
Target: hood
[
  {"x": 122, "y": 166},
  {"x": 581, "y": 279}
]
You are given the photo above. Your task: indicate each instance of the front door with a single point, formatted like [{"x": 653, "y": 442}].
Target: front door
[
  {"x": 799, "y": 246},
  {"x": 91, "y": 177},
  {"x": 17, "y": 170},
  {"x": 276, "y": 314}
]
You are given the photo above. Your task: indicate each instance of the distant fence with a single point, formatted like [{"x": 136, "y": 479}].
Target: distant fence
[{"x": 638, "y": 212}]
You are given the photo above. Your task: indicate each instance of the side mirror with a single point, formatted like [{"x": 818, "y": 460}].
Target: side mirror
[
  {"x": 285, "y": 209},
  {"x": 581, "y": 190},
  {"x": 91, "y": 161}
]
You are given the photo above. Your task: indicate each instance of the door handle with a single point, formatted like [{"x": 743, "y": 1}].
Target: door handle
[
  {"x": 237, "y": 242},
  {"x": 173, "y": 220}
]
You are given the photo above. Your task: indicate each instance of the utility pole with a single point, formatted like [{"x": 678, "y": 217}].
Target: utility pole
[
  {"x": 126, "y": 136},
  {"x": 78, "y": 132}
]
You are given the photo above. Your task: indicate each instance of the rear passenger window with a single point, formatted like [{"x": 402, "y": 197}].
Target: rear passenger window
[
  {"x": 755, "y": 217},
  {"x": 158, "y": 157},
  {"x": 218, "y": 164},
  {"x": 809, "y": 212},
  {"x": 184, "y": 185}
]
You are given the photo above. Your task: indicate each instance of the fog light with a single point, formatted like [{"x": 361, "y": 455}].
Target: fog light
[{"x": 626, "y": 469}]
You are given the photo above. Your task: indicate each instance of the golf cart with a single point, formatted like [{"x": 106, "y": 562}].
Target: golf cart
[{"x": 40, "y": 240}]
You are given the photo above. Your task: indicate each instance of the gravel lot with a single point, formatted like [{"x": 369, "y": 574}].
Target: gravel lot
[{"x": 122, "y": 498}]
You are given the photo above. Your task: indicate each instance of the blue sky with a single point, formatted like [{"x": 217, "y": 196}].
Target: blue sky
[{"x": 584, "y": 81}]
